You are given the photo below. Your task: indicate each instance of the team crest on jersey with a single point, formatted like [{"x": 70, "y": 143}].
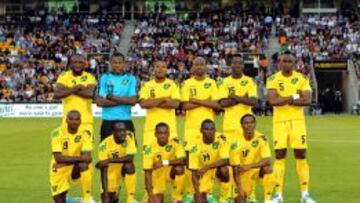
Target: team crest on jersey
[
  {"x": 233, "y": 146},
  {"x": 124, "y": 144},
  {"x": 103, "y": 147},
  {"x": 194, "y": 149},
  {"x": 168, "y": 148},
  {"x": 73, "y": 81},
  {"x": 83, "y": 78},
  {"x": 243, "y": 83},
  {"x": 294, "y": 81},
  {"x": 124, "y": 82},
  {"x": 147, "y": 150},
  {"x": 77, "y": 138},
  {"x": 254, "y": 143},
  {"x": 215, "y": 145},
  {"x": 207, "y": 85},
  {"x": 166, "y": 86}
]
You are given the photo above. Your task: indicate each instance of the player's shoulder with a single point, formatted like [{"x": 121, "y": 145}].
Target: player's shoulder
[
  {"x": 87, "y": 74},
  {"x": 209, "y": 83},
  {"x": 261, "y": 137},
  {"x": 274, "y": 76},
  {"x": 175, "y": 141},
  {"x": 55, "y": 132},
  {"x": 130, "y": 135},
  {"x": 65, "y": 74}
]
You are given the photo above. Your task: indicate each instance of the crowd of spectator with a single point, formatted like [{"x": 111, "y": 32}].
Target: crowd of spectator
[
  {"x": 214, "y": 34},
  {"x": 34, "y": 49}
]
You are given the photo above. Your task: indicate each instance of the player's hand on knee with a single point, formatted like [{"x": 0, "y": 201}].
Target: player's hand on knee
[
  {"x": 157, "y": 165},
  {"x": 86, "y": 159},
  {"x": 83, "y": 166}
]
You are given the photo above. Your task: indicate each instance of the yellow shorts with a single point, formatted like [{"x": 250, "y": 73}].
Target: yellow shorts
[
  {"x": 290, "y": 132},
  {"x": 161, "y": 177},
  {"x": 60, "y": 179},
  {"x": 207, "y": 181},
  {"x": 191, "y": 136},
  {"x": 114, "y": 177},
  {"x": 248, "y": 181},
  {"x": 149, "y": 137}
]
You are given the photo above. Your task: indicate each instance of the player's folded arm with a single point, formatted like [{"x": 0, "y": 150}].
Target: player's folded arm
[
  {"x": 87, "y": 92},
  {"x": 132, "y": 100},
  {"x": 276, "y": 100}
]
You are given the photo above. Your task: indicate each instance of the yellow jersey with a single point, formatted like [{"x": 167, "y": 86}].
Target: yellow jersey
[
  {"x": 202, "y": 154},
  {"x": 154, "y": 90},
  {"x": 154, "y": 152},
  {"x": 70, "y": 144},
  {"x": 74, "y": 102},
  {"x": 287, "y": 86},
  {"x": 204, "y": 89},
  {"x": 243, "y": 151},
  {"x": 239, "y": 87},
  {"x": 109, "y": 149}
]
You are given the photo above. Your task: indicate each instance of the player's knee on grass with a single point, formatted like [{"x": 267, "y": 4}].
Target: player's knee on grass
[
  {"x": 128, "y": 168},
  {"x": 280, "y": 153},
  {"x": 300, "y": 153},
  {"x": 223, "y": 174},
  {"x": 60, "y": 198},
  {"x": 177, "y": 171}
]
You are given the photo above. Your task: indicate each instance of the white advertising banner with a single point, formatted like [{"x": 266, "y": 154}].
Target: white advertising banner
[{"x": 50, "y": 110}]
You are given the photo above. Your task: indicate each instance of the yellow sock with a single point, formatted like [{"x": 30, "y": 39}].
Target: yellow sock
[
  {"x": 130, "y": 184},
  {"x": 178, "y": 187},
  {"x": 86, "y": 183},
  {"x": 268, "y": 183},
  {"x": 302, "y": 169},
  {"x": 279, "y": 171},
  {"x": 189, "y": 188}
]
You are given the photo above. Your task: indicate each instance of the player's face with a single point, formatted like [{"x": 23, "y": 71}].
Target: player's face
[
  {"x": 208, "y": 131},
  {"x": 160, "y": 69},
  {"x": 287, "y": 63},
  {"x": 73, "y": 120},
  {"x": 117, "y": 65},
  {"x": 199, "y": 67},
  {"x": 119, "y": 132},
  {"x": 248, "y": 125},
  {"x": 237, "y": 66},
  {"x": 162, "y": 135},
  {"x": 77, "y": 64}
]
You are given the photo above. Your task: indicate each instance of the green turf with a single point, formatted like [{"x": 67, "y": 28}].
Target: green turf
[{"x": 333, "y": 156}]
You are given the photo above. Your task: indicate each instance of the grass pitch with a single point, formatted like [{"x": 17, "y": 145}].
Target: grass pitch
[{"x": 333, "y": 157}]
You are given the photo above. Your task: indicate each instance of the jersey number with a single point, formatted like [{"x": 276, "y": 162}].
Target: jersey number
[
  {"x": 206, "y": 157},
  {"x": 231, "y": 90},
  {"x": 115, "y": 155},
  {"x": 193, "y": 92},
  {"x": 158, "y": 157},
  {"x": 65, "y": 145},
  {"x": 245, "y": 152},
  {"x": 152, "y": 93},
  {"x": 303, "y": 139},
  {"x": 281, "y": 86}
]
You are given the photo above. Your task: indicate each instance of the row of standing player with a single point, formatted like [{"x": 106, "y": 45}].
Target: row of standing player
[{"x": 288, "y": 92}]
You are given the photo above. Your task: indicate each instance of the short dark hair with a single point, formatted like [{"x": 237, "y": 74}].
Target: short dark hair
[
  {"x": 117, "y": 54},
  {"x": 162, "y": 124},
  {"x": 287, "y": 52},
  {"x": 247, "y": 115},
  {"x": 206, "y": 121}
]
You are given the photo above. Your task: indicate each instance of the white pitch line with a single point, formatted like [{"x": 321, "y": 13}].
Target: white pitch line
[{"x": 336, "y": 141}]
